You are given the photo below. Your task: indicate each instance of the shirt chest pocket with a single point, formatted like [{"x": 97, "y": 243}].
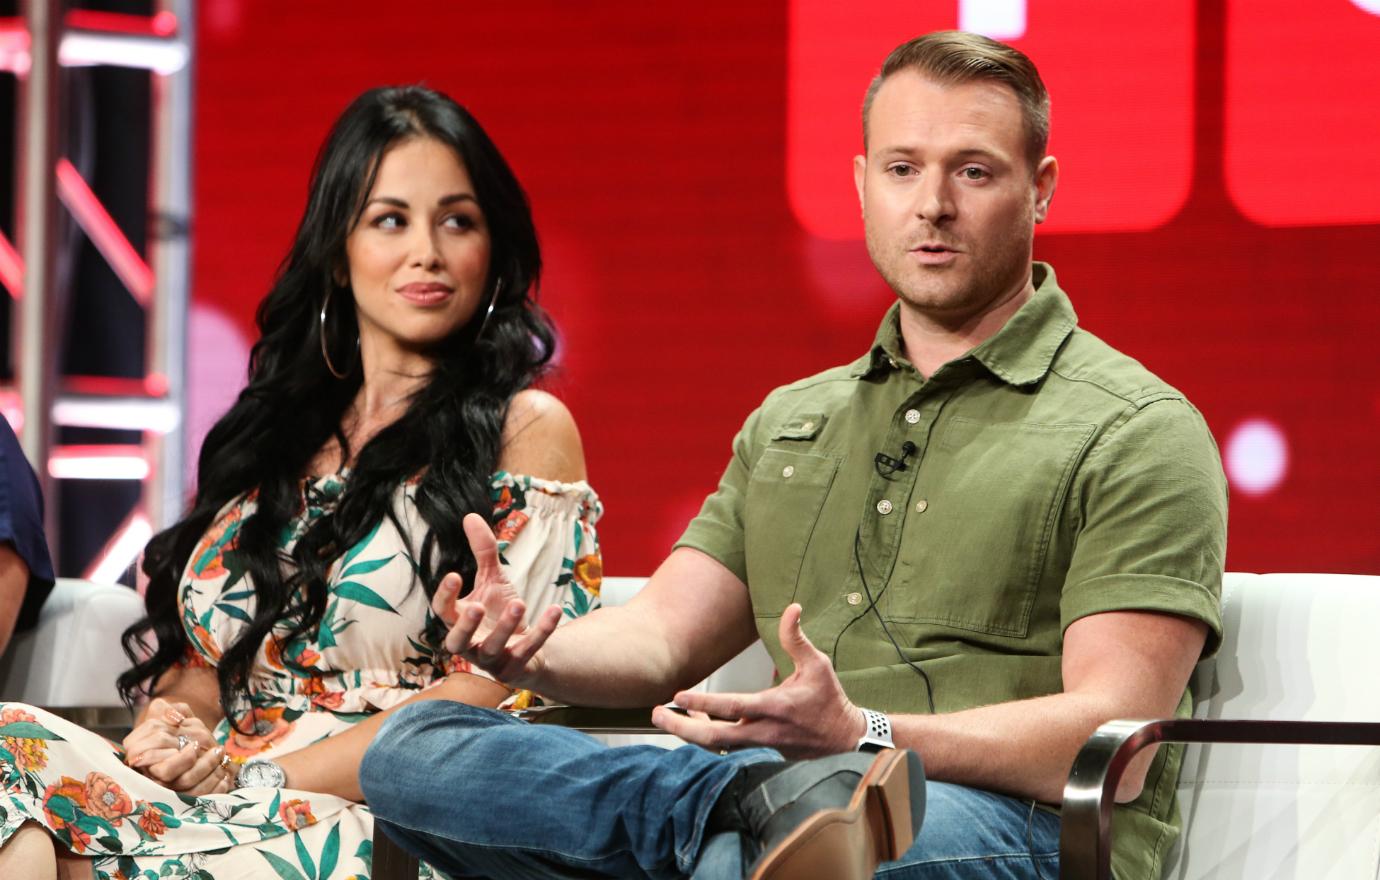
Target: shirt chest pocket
[
  {"x": 983, "y": 518},
  {"x": 786, "y": 492}
]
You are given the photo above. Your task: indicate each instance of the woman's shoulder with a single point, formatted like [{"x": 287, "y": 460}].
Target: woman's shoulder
[{"x": 540, "y": 438}]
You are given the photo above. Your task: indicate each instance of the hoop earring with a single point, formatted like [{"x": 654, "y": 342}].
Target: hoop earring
[
  {"x": 498, "y": 288},
  {"x": 325, "y": 350}
]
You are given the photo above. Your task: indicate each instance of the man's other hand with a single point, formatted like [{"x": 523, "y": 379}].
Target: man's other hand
[{"x": 805, "y": 716}]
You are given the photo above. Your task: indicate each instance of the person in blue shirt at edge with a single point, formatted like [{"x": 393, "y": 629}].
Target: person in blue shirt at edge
[
  {"x": 26, "y": 571},
  {"x": 1038, "y": 549}
]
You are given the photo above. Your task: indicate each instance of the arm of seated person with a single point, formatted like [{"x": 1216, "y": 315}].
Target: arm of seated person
[
  {"x": 14, "y": 580},
  {"x": 331, "y": 766},
  {"x": 1119, "y": 664}
]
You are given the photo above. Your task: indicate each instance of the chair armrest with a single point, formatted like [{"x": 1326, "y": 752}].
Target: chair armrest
[
  {"x": 592, "y": 720},
  {"x": 1085, "y": 846}
]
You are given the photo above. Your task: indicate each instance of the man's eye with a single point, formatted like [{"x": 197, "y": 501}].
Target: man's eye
[
  {"x": 902, "y": 170},
  {"x": 974, "y": 173}
]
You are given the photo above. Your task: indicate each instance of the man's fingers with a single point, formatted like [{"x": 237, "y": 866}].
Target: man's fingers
[
  {"x": 482, "y": 543},
  {"x": 443, "y": 603},
  {"x": 467, "y": 621},
  {"x": 493, "y": 646},
  {"x": 726, "y": 707},
  {"x": 527, "y": 647},
  {"x": 710, "y": 734},
  {"x": 793, "y": 640}
]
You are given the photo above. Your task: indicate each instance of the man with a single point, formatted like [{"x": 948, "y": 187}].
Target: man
[
  {"x": 982, "y": 539},
  {"x": 26, "y": 572}
]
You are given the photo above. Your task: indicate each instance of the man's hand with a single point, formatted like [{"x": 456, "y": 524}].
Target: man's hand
[
  {"x": 486, "y": 627},
  {"x": 805, "y": 716}
]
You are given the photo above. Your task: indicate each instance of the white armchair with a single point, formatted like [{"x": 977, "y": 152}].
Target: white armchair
[{"x": 1298, "y": 664}]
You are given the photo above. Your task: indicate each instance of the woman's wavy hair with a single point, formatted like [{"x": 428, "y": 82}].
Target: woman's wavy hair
[{"x": 448, "y": 438}]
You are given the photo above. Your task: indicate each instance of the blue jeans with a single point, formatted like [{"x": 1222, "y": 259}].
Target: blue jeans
[{"x": 476, "y": 793}]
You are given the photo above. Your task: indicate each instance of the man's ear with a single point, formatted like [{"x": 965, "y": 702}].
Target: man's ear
[
  {"x": 1046, "y": 180},
  {"x": 860, "y": 178}
]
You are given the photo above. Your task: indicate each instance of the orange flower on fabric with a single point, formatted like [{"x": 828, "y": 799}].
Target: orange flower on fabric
[
  {"x": 273, "y": 652},
  {"x": 72, "y": 789},
  {"x": 508, "y": 527},
  {"x": 208, "y": 644},
  {"x": 152, "y": 821},
  {"x": 106, "y": 799},
  {"x": 296, "y": 814},
  {"x": 29, "y": 754},
  {"x": 266, "y": 727},
  {"x": 329, "y": 700},
  {"x": 589, "y": 572},
  {"x": 207, "y": 557}
]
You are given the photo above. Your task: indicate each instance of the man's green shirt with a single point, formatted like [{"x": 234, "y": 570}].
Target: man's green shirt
[{"x": 1052, "y": 478}]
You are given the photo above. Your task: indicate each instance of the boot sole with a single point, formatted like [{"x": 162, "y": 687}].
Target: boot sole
[{"x": 849, "y": 843}]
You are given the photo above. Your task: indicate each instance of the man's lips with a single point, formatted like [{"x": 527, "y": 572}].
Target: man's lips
[{"x": 933, "y": 253}]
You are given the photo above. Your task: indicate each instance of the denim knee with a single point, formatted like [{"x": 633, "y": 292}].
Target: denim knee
[{"x": 378, "y": 776}]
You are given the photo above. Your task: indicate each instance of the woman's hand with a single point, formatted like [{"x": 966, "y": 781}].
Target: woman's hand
[
  {"x": 486, "y": 628},
  {"x": 172, "y": 746}
]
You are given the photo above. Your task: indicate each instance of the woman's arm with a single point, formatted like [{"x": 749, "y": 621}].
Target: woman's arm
[{"x": 331, "y": 766}]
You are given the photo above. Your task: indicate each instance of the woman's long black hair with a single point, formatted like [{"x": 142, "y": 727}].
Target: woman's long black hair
[{"x": 292, "y": 406}]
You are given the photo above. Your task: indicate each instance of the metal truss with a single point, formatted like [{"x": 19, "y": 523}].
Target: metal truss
[{"x": 34, "y": 48}]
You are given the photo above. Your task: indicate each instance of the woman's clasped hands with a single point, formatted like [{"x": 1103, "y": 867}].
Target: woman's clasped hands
[{"x": 174, "y": 747}]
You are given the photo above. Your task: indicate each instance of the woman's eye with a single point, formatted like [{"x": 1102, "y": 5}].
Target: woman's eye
[
  {"x": 389, "y": 221},
  {"x": 460, "y": 221}
]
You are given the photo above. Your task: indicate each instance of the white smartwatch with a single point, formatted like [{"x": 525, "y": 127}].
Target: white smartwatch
[{"x": 877, "y": 736}]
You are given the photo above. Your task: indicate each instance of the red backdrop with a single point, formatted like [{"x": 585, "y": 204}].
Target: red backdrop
[{"x": 690, "y": 173}]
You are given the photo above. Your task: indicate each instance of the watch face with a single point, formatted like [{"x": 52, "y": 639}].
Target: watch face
[{"x": 260, "y": 774}]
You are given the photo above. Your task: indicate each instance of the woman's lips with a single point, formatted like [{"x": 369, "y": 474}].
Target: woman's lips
[{"x": 425, "y": 294}]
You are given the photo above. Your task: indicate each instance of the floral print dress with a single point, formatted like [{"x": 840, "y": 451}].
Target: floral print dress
[{"x": 371, "y": 652}]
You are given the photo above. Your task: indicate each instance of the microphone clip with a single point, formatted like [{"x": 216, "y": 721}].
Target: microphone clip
[{"x": 886, "y": 465}]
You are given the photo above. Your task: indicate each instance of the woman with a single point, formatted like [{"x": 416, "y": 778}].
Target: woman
[{"x": 388, "y": 401}]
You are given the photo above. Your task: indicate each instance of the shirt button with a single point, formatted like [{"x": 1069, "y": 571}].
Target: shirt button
[
  {"x": 921, "y": 506},
  {"x": 788, "y": 471},
  {"x": 853, "y": 598},
  {"x": 884, "y": 507},
  {"x": 913, "y": 416}
]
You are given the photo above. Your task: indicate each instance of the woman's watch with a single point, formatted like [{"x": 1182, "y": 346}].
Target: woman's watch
[
  {"x": 876, "y": 737},
  {"x": 260, "y": 773}
]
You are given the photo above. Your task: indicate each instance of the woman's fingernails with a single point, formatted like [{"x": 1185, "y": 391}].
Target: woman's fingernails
[{"x": 175, "y": 717}]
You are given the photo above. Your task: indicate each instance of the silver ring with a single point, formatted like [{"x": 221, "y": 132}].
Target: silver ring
[{"x": 182, "y": 741}]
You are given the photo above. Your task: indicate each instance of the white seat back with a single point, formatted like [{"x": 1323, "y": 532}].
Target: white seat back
[
  {"x": 73, "y": 656},
  {"x": 1296, "y": 647}
]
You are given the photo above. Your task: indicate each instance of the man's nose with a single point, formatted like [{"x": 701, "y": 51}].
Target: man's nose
[{"x": 934, "y": 198}]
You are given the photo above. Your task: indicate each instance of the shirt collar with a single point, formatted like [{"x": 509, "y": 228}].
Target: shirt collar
[{"x": 1020, "y": 353}]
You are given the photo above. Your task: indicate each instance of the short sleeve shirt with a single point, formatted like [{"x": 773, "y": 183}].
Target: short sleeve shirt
[
  {"x": 21, "y": 524},
  {"x": 1046, "y": 477}
]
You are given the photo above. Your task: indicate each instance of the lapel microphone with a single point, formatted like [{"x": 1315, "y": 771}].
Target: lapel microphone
[{"x": 886, "y": 465}]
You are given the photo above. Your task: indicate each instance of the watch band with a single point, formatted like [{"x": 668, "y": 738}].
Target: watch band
[{"x": 878, "y": 733}]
